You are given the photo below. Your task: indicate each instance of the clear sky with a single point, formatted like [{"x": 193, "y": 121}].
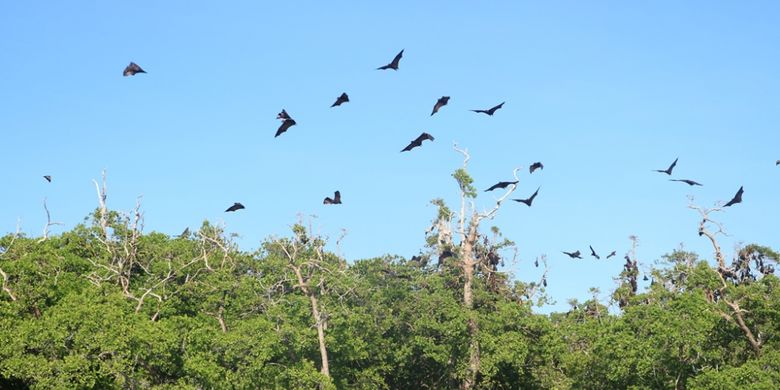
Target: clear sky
[{"x": 601, "y": 92}]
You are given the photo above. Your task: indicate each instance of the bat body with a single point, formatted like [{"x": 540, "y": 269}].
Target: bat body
[
  {"x": 235, "y": 206},
  {"x": 668, "y": 171},
  {"x": 530, "y": 200},
  {"x": 48, "y": 178},
  {"x": 593, "y": 253},
  {"x": 686, "y": 181},
  {"x": 393, "y": 64},
  {"x": 335, "y": 200},
  {"x": 417, "y": 142},
  {"x": 490, "y": 111},
  {"x": 283, "y": 115},
  {"x": 573, "y": 255},
  {"x": 439, "y": 104},
  {"x": 535, "y": 166},
  {"x": 501, "y": 184},
  {"x": 341, "y": 99},
  {"x": 736, "y": 199},
  {"x": 132, "y": 70}
]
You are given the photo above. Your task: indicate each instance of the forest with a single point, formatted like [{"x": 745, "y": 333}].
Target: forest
[{"x": 106, "y": 305}]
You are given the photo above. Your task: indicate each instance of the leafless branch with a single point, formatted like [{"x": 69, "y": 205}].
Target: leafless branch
[{"x": 49, "y": 223}]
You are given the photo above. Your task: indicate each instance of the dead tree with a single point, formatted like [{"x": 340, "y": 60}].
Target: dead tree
[
  {"x": 49, "y": 223},
  {"x": 6, "y": 280},
  {"x": 728, "y": 276},
  {"x": 466, "y": 250}
]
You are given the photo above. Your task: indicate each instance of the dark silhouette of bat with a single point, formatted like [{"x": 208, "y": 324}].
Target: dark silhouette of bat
[
  {"x": 336, "y": 199},
  {"x": 544, "y": 281},
  {"x": 235, "y": 206},
  {"x": 611, "y": 254},
  {"x": 417, "y": 142},
  {"x": 185, "y": 233},
  {"x": 283, "y": 115},
  {"x": 736, "y": 199},
  {"x": 645, "y": 278},
  {"x": 341, "y": 99},
  {"x": 132, "y": 69},
  {"x": 573, "y": 255},
  {"x": 439, "y": 104},
  {"x": 777, "y": 162},
  {"x": 393, "y": 64},
  {"x": 490, "y": 111},
  {"x": 668, "y": 171},
  {"x": 535, "y": 166},
  {"x": 48, "y": 178},
  {"x": 686, "y": 181},
  {"x": 536, "y": 263},
  {"x": 501, "y": 184},
  {"x": 593, "y": 253},
  {"x": 529, "y": 200},
  {"x": 285, "y": 125}
]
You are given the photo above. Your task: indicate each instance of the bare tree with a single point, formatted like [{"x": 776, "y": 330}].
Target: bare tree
[
  {"x": 49, "y": 223},
  {"x": 5, "y": 287}
]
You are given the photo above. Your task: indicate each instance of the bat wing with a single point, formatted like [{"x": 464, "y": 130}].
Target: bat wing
[
  {"x": 397, "y": 59},
  {"x": 337, "y": 197},
  {"x": 736, "y": 199},
  {"x": 48, "y": 178},
  {"x": 285, "y": 125}
]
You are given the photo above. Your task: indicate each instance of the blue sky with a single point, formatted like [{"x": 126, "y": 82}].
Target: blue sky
[{"x": 601, "y": 92}]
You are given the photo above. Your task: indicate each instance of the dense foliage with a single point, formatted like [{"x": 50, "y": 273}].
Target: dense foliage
[{"x": 119, "y": 309}]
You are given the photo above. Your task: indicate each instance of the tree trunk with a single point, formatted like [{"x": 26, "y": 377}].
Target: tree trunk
[
  {"x": 468, "y": 261},
  {"x": 320, "y": 335}
]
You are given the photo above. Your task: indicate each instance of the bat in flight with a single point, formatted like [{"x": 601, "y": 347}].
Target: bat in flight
[
  {"x": 535, "y": 166},
  {"x": 185, "y": 233},
  {"x": 736, "y": 199},
  {"x": 686, "y": 181},
  {"x": 668, "y": 171},
  {"x": 48, "y": 178},
  {"x": 501, "y": 184},
  {"x": 611, "y": 254},
  {"x": 287, "y": 122},
  {"x": 490, "y": 111},
  {"x": 132, "y": 69},
  {"x": 573, "y": 255},
  {"x": 393, "y": 64},
  {"x": 417, "y": 142},
  {"x": 439, "y": 104},
  {"x": 593, "y": 253},
  {"x": 529, "y": 200},
  {"x": 341, "y": 99},
  {"x": 336, "y": 199},
  {"x": 235, "y": 206}
]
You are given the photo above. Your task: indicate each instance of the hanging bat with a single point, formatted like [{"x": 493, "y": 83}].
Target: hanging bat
[
  {"x": 593, "y": 253},
  {"x": 535, "y": 166},
  {"x": 285, "y": 125},
  {"x": 573, "y": 255},
  {"x": 686, "y": 181},
  {"x": 439, "y": 104},
  {"x": 235, "y": 206},
  {"x": 341, "y": 99},
  {"x": 736, "y": 199},
  {"x": 336, "y": 199},
  {"x": 132, "y": 69},
  {"x": 417, "y": 142},
  {"x": 529, "y": 200},
  {"x": 613, "y": 253},
  {"x": 48, "y": 178},
  {"x": 501, "y": 184},
  {"x": 393, "y": 64},
  {"x": 668, "y": 171},
  {"x": 490, "y": 111}
]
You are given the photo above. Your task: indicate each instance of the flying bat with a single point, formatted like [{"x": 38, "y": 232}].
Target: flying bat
[
  {"x": 535, "y": 166},
  {"x": 611, "y": 254},
  {"x": 341, "y": 99},
  {"x": 235, "y": 206},
  {"x": 736, "y": 199},
  {"x": 393, "y": 64},
  {"x": 336, "y": 199},
  {"x": 132, "y": 69},
  {"x": 593, "y": 253},
  {"x": 490, "y": 111},
  {"x": 686, "y": 181},
  {"x": 573, "y": 255},
  {"x": 439, "y": 104},
  {"x": 283, "y": 115},
  {"x": 668, "y": 171},
  {"x": 417, "y": 142},
  {"x": 777, "y": 162},
  {"x": 529, "y": 200},
  {"x": 185, "y": 233},
  {"x": 285, "y": 125},
  {"x": 501, "y": 184},
  {"x": 48, "y": 178}
]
